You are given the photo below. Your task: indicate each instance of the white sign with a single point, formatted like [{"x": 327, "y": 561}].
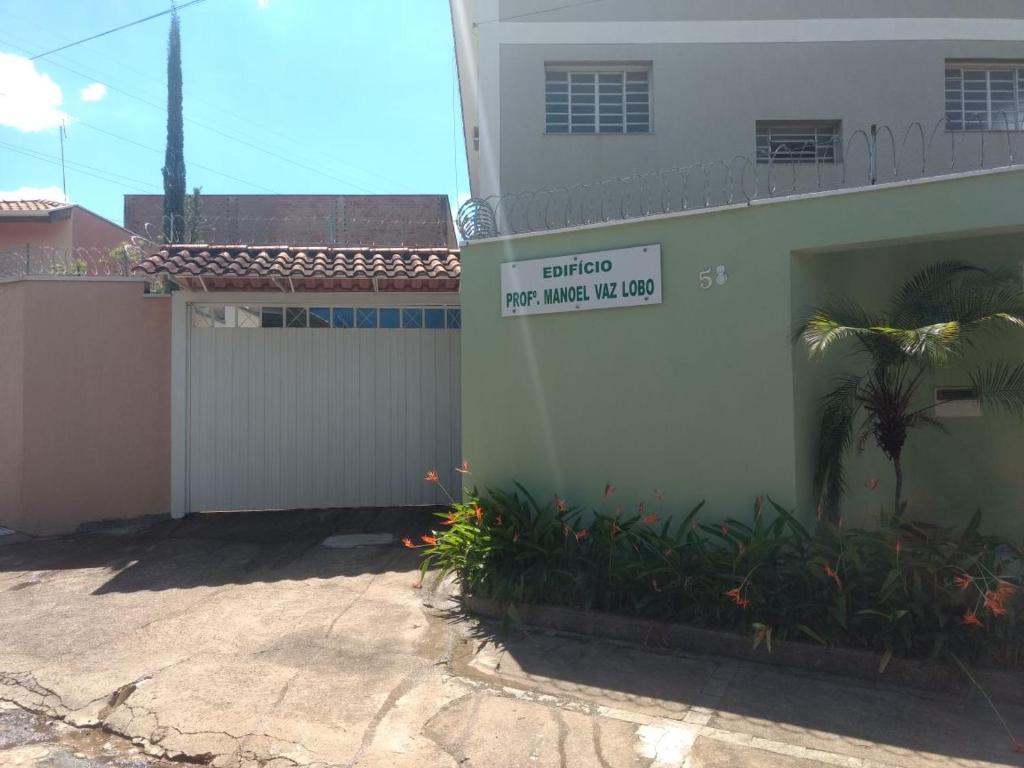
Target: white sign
[{"x": 627, "y": 277}]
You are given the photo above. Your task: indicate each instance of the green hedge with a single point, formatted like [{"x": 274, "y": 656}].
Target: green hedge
[{"x": 909, "y": 589}]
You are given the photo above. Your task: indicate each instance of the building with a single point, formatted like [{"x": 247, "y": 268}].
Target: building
[
  {"x": 360, "y": 220},
  {"x": 48, "y": 237},
  {"x": 323, "y": 372},
  {"x": 557, "y": 94}
]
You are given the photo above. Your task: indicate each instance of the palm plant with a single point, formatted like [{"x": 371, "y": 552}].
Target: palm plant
[{"x": 942, "y": 312}]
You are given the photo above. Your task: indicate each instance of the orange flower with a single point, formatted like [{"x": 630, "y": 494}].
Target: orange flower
[
  {"x": 450, "y": 520},
  {"x": 464, "y": 469},
  {"x": 994, "y": 604},
  {"x": 833, "y": 574},
  {"x": 736, "y": 595},
  {"x": 408, "y": 542},
  {"x": 429, "y": 540},
  {"x": 431, "y": 476},
  {"x": 1005, "y": 588},
  {"x": 609, "y": 489},
  {"x": 963, "y": 580},
  {"x": 971, "y": 619},
  {"x": 582, "y": 534},
  {"x": 479, "y": 515},
  {"x": 560, "y": 505},
  {"x": 651, "y": 519}
]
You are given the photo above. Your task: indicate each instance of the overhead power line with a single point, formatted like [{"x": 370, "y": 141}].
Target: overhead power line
[
  {"x": 536, "y": 13},
  {"x": 54, "y": 160},
  {"x": 211, "y": 128},
  {"x": 116, "y": 29}
]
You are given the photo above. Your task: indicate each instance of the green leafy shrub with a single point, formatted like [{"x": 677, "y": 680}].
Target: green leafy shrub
[{"x": 908, "y": 589}]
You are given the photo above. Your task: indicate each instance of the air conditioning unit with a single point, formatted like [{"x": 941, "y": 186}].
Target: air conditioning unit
[{"x": 957, "y": 402}]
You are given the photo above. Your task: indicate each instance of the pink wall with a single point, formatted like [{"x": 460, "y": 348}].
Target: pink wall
[
  {"x": 41, "y": 235},
  {"x": 12, "y": 325},
  {"x": 95, "y": 394}
]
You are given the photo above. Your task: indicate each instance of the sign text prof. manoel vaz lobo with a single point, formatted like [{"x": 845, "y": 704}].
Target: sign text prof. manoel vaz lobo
[{"x": 626, "y": 277}]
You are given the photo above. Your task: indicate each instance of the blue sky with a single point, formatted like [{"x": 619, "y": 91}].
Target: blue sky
[{"x": 287, "y": 96}]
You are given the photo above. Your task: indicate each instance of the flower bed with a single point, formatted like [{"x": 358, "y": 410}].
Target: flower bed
[{"x": 909, "y": 589}]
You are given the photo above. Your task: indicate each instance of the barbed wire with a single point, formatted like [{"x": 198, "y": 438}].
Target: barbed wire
[
  {"x": 866, "y": 157},
  {"x": 313, "y": 230}
]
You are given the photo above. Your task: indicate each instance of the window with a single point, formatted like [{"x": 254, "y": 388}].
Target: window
[
  {"x": 598, "y": 100},
  {"x": 412, "y": 318},
  {"x": 273, "y": 317},
  {"x": 295, "y": 317},
  {"x": 983, "y": 97},
  {"x": 366, "y": 317},
  {"x": 249, "y": 316},
  {"x": 807, "y": 141},
  {"x": 433, "y": 317},
  {"x": 344, "y": 317}
]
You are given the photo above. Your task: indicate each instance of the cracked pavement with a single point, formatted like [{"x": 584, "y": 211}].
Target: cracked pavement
[{"x": 237, "y": 640}]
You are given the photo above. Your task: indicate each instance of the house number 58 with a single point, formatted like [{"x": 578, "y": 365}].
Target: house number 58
[{"x": 713, "y": 276}]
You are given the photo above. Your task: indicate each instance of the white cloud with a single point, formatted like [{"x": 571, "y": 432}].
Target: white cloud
[
  {"x": 93, "y": 92},
  {"x": 29, "y": 100},
  {"x": 264, "y": 3},
  {"x": 34, "y": 193}
]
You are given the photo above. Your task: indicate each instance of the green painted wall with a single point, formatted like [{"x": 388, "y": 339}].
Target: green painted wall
[{"x": 700, "y": 396}]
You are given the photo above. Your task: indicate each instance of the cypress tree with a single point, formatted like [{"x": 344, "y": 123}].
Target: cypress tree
[{"x": 174, "y": 158}]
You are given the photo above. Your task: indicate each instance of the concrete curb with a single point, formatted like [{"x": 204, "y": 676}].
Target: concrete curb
[{"x": 1003, "y": 687}]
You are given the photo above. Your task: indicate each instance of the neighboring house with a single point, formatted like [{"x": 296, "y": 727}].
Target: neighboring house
[
  {"x": 47, "y": 237},
  {"x": 559, "y": 94},
  {"x": 359, "y": 220}
]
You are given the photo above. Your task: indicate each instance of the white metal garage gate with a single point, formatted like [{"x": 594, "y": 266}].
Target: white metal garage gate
[{"x": 331, "y": 404}]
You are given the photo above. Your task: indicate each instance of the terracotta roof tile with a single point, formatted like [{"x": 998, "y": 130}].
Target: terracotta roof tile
[
  {"x": 295, "y": 262},
  {"x": 30, "y": 205}
]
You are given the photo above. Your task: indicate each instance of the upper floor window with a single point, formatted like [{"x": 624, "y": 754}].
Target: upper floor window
[
  {"x": 985, "y": 96},
  {"x": 805, "y": 141},
  {"x": 588, "y": 99}
]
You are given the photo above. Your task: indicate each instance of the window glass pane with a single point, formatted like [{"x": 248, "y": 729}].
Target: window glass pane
[
  {"x": 412, "y": 318},
  {"x": 319, "y": 317},
  {"x": 273, "y": 317},
  {"x": 296, "y": 317},
  {"x": 389, "y": 318},
  {"x": 453, "y": 318},
  {"x": 344, "y": 317},
  {"x": 596, "y": 102},
  {"x": 247, "y": 317},
  {"x": 810, "y": 142},
  {"x": 202, "y": 316},
  {"x": 433, "y": 317},
  {"x": 366, "y": 317}
]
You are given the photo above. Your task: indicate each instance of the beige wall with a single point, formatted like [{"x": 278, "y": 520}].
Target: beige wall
[{"x": 93, "y": 427}]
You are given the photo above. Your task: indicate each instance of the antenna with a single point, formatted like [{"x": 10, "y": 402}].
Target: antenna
[{"x": 63, "y": 173}]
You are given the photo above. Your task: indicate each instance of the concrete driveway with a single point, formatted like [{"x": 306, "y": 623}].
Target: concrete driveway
[{"x": 240, "y": 640}]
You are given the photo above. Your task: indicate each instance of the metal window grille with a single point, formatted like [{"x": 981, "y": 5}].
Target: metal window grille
[
  {"x": 597, "y": 100},
  {"x": 985, "y": 97},
  {"x": 797, "y": 142}
]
